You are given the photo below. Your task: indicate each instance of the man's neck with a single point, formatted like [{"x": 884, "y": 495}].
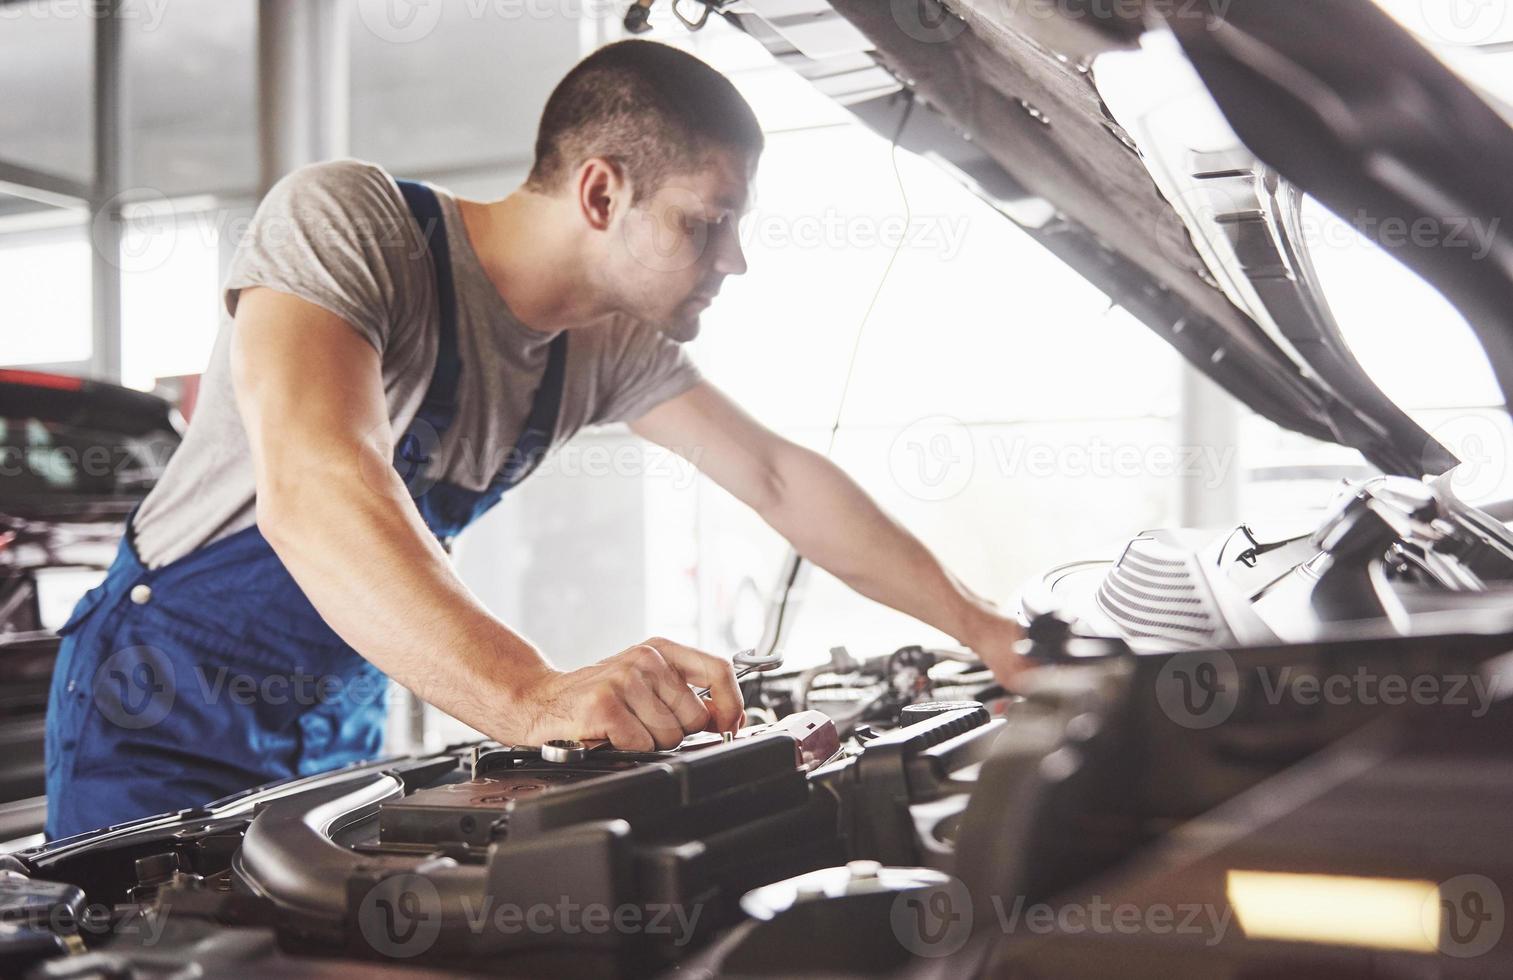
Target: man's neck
[{"x": 537, "y": 269}]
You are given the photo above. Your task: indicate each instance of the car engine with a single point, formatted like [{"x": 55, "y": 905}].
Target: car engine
[{"x": 569, "y": 859}]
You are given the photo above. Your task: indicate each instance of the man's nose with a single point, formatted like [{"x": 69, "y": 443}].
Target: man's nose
[{"x": 729, "y": 258}]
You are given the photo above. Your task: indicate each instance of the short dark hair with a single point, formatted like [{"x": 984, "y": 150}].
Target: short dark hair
[{"x": 649, "y": 107}]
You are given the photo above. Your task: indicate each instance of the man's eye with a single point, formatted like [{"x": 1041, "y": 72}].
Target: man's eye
[{"x": 693, "y": 224}]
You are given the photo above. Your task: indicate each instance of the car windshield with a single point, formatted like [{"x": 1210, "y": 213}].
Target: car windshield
[{"x": 58, "y": 463}]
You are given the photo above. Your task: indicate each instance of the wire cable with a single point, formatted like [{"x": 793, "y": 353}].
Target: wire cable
[
  {"x": 861, "y": 328},
  {"x": 794, "y": 560}
]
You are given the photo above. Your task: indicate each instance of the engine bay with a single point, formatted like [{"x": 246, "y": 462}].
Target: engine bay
[
  {"x": 573, "y": 860},
  {"x": 886, "y": 820}
]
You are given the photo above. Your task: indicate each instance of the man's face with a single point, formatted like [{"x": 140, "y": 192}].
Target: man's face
[{"x": 677, "y": 244}]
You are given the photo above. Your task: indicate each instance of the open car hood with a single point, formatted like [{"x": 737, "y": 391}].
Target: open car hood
[{"x": 1202, "y": 244}]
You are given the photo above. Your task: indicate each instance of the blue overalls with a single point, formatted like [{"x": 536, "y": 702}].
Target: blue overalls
[{"x": 178, "y": 685}]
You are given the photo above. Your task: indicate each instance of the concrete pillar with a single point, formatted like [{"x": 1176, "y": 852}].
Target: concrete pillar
[
  {"x": 1210, "y": 417},
  {"x": 106, "y": 227},
  {"x": 303, "y": 84}
]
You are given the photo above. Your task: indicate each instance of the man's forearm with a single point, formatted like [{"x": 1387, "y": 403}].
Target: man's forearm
[
  {"x": 834, "y": 523},
  {"x": 366, "y": 561}
]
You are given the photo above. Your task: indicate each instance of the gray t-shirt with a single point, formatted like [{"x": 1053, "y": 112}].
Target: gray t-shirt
[{"x": 339, "y": 235}]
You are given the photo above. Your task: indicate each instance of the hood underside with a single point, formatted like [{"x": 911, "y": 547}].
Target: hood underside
[{"x": 1006, "y": 97}]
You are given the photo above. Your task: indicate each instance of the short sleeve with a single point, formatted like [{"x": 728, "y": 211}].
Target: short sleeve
[
  {"x": 646, "y": 370},
  {"x": 333, "y": 234}
]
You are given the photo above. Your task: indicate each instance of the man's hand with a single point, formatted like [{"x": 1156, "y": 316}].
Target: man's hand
[
  {"x": 639, "y": 699},
  {"x": 995, "y": 638}
]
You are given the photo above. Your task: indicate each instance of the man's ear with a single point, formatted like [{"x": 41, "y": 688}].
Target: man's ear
[{"x": 601, "y": 190}]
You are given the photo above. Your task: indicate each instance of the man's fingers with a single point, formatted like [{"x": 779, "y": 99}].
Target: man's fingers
[
  {"x": 642, "y": 698},
  {"x": 625, "y": 731},
  {"x": 739, "y": 724},
  {"x": 665, "y": 682},
  {"x": 691, "y": 711},
  {"x": 703, "y": 670}
]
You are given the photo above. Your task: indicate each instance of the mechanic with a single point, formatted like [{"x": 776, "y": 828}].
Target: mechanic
[{"x": 397, "y": 359}]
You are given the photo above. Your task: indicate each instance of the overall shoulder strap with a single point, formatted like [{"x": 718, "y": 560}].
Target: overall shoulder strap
[{"x": 439, "y": 406}]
